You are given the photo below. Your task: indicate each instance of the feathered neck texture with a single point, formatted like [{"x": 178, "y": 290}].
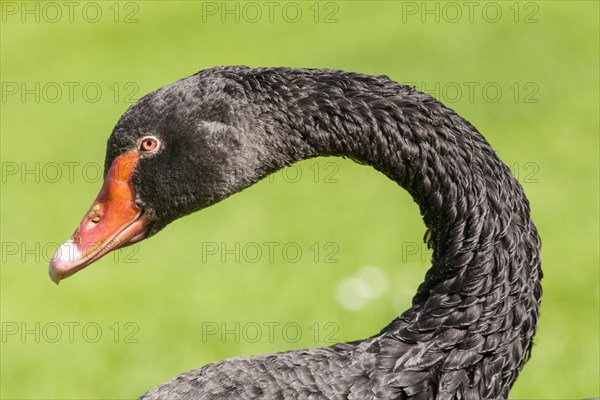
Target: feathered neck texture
[{"x": 485, "y": 273}]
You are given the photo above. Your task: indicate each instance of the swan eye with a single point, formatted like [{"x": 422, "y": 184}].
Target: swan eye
[{"x": 149, "y": 144}]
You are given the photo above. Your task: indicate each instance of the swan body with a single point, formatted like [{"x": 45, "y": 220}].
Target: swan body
[{"x": 470, "y": 328}]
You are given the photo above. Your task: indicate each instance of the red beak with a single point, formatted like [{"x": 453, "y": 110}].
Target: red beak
[{"x": 113, "y": 221}]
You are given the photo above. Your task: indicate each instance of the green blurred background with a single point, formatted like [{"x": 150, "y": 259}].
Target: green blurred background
[{"x": 526, "y": 74}]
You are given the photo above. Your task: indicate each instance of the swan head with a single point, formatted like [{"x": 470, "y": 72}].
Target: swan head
[{"x": 177, "y": 150}]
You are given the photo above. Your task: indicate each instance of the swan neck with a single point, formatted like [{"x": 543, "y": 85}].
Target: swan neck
[{"x": 476, "y": 213}]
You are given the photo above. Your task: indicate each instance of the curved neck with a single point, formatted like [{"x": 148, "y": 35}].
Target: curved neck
[
  {"x": 479, "y": 302},
  {"x": 484, "y": 243}
]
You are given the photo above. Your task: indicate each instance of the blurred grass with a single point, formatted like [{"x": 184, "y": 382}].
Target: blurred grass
[{"x": 171, "y": 294}]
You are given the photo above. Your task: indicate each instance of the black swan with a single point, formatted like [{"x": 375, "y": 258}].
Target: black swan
[{"x": 197, "y": 141}]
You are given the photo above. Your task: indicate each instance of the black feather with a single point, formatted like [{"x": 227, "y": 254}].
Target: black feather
[{"x": 471, "y": 325}]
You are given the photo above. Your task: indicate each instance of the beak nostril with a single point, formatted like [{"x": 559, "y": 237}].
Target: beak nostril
[{"x": 93, "y": 212}]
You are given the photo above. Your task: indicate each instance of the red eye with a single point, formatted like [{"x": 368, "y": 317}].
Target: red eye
[{"x": 149, "y": 144}]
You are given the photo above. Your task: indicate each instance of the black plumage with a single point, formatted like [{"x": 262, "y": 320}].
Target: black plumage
[{"x": 472, "y": 321}]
